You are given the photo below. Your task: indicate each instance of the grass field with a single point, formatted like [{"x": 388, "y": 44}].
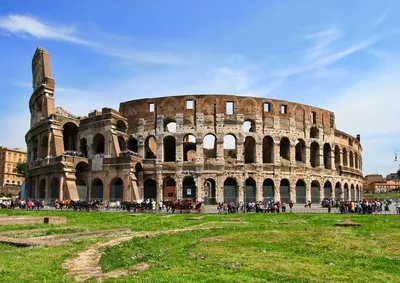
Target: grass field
[{"x": 237, "y": 248}]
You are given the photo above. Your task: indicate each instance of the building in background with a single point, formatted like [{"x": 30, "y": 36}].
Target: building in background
[
  {"x": 9, "y": 158},
  {"x": 375, "y": 183}
]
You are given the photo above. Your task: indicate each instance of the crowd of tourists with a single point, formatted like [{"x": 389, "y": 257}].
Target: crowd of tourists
[{"x": 22, "y": 204}]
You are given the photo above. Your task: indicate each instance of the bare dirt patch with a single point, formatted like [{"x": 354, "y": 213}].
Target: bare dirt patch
[
  {"x": 195, "y": 218},
  {"x": 348, "y": 222},
  {"x": 87, "y": 264}
]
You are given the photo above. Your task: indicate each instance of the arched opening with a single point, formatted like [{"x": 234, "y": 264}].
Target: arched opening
[
  {"x": 356, "y": 160},
  {"x": 301, "y": 151},
  {"x": 98, "y": 144},
  {"x": 315, "y": 192},
  {"x": 353, "y": 192},
  {"x": 97, "y": 189},
  {"x": 249, "y": 126},
  {"x": 314, "y": 154},
  {"x": 42, "y": 189},
  {"x": 150, "y": 147},
  {"x": 209, "y": 191},
  {"x": 83, "y": 147},
  {"x": 189, "y": 188},
  {"x": 250, "y": 190},
  {"x": 189, "y": 148},
  {"x": 284, "y": 190},
  {"x": 351, "y": 157},
  {"x": 121, "y": 126},
  {"x": 81, "y": 174},
  {"x": 301, "y": 192},
  {"x": 268, "y": 190},
  {"x": 346, "y": 192},
  {"x": 285, "y": 148},
  {"x": 345, "y": 159},
  {"x": 169, "y": 149},
  {"x": 327, "y": 189},
  {"x": 357, "y": 193},
  {"x": 230, "y": 146},
  {"x": 338, "y": 191},
  {"x": 169, "y": 190},
  {"x": 116, "y": 189},
  {"x": 327, "y": 156},
  {"x": 249, "y": 150},
  {"x": 268, "y": 150},
  {"x": 35, "y": 146},
  {"x": 70, "y": 136},
  {"x": 44, "y": 145},
  {"x": 230, "y": 190},
  {"x": 337, "y": 155},
  {"x": 169, "y": 126},
  {"x": 133, "y": 144},
  {"x": 314, "y": 132},
  {"x": 54, "y": 189},
  {"x": 209, "y": 146},
  {"x": 121, "y": 143},
  {"x": 150, "y": 189}
]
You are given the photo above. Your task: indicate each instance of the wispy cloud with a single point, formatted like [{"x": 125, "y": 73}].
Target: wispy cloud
[
  {"x": 382, "y": 18},
  {"x": 22, "y": 25},
  {"x": 26, "y": 25},
  {"x": 321, "y": 40}
]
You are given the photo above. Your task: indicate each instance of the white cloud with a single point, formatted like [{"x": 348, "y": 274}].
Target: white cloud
[{"x": 25, "y": 25}]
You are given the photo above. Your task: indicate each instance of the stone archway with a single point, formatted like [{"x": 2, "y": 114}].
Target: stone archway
[
  {"x": 189, "y": 188},
  {"x": 169, "y": 190},
  {"x": 327, "y": 189},
  {"x": 150, "y": 189},
  {"x": 301, "y": 196},
  {"x": 268, "y": 190},
  {"x": 284, "y": 190},
  {"x": 116, "y": 189},
  {"x": 54, "y": 189},
  {"x": 230, "y": 190},
  {"x": 250, "y": 190},
  {"x": 315, "y": 192},
  {"x": 97, "y": 189}
]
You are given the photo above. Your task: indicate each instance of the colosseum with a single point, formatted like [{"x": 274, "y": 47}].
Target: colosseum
[{"x": 211, "y": 147}]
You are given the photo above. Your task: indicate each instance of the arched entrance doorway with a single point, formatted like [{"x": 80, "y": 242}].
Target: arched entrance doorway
[
  {"x": 250, "y": 190},
  {"x": 327, "y": 189},
  {"x": 81, "y": 175},
  {"x": 54, "y": 189},
  {"x": 338, "y": 191},
  {"x": 346, "y": 192},
  {"x": 268, "y": 190},
  {"x": 209, "y": 191},
  {"x": 150, "y": 189},
  {"x": 116, "y": 189},
  {"x": 169, "y": 190},
  {"x": 353, "y": 192},
  {"x": 97, "y": 189},
  {"x": 301, "y": 192},
  {"x": 284, "y": 190},
  {"x": 230, "y": 190},
  {"x": 315, "y": 192},
  {"x": 42, "y": 189},
  {"x": 189, "y": 188}
]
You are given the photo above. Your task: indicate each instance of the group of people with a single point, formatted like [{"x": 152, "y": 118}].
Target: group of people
[
  {"x": 252, "y": 206},
  {"x": 22, "y": 204}
]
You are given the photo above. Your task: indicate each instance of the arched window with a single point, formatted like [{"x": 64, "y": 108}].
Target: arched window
[
  {"x": 133, "y": 144},
  {"x": 314, "y": 156},
  {"x": 314, "y": 133},
  {"x": 301, "y": 151},
  {"x": 285, "y": 148},
  {"x": 249, "y": 150},
  {"x": 121, "y": 143},
  {"x": 189, "y": 148},
  {"x": 150, "y": 147},
  {"x": 209, "y": 146},
  {"x": 169, "y": 149},
  {"x": 121, "y": 126},
  {"x": 249, "y": 126},
  {"x": 327, "y": 156},
  {"x": 70, "y": 136},
  {"x": 230, "y": 146},
  {"x": 169, "y": 126},
  {"x": 98, "y": 144},
  {"x": 268, "y": 149}
]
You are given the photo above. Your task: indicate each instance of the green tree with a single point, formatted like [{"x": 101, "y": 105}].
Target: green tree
[{"x": 20, "y": 168}]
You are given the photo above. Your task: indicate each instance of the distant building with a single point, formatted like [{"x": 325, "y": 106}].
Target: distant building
[
  {"x": 9, "y": 158},
  {"x": 392, "y": 176},
  {"x": 377, "y": 184}
]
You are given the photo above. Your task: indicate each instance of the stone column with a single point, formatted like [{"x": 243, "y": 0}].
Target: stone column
[
  {"x": 308, "y": 190},
  {"x": 321, "y": 157},
  {"x": 277, "y": 191},
  {"x": 259, "y": 188},
  {"x": 47, "y": 192},
  {"x": 160, "y": 185},
  {"x": 106, "y": 189},
  {"x": 240, "y": 151},
  {"x": 61, "y": 188},
  {"x": 179, "y": 187},
  {"x": 277, "y": 153},
  {"x": 293, "y": 190},
  {"x": 179, "y": 150}
]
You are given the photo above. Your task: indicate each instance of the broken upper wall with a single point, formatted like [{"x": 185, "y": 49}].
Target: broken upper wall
[{"x": 145, "y": 111}]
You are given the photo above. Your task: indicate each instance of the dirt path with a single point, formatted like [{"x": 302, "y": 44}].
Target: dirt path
[{"x": 87, "y": 264}]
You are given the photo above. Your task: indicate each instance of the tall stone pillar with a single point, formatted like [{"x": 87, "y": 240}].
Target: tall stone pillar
[{"x": 61, "y": 188}]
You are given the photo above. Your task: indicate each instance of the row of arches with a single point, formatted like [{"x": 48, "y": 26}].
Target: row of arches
[{"x": 230, "y": 150}]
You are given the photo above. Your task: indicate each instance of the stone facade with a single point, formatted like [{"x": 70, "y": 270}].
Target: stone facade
[
  {"x": 212, "y": 147},
  {"x": 9, "y": 158}
]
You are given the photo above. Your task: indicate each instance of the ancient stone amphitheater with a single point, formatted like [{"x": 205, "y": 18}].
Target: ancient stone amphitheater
[{"x": 211, "y": 147}]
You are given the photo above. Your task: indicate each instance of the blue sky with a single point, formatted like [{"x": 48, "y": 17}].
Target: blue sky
[{"x": 339, "y": 55}]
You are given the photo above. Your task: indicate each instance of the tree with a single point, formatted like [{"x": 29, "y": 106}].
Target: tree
[{"x": 20, "y": 168}]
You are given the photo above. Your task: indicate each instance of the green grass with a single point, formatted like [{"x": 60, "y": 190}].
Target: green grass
[{"x": 259, "y": 248}]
